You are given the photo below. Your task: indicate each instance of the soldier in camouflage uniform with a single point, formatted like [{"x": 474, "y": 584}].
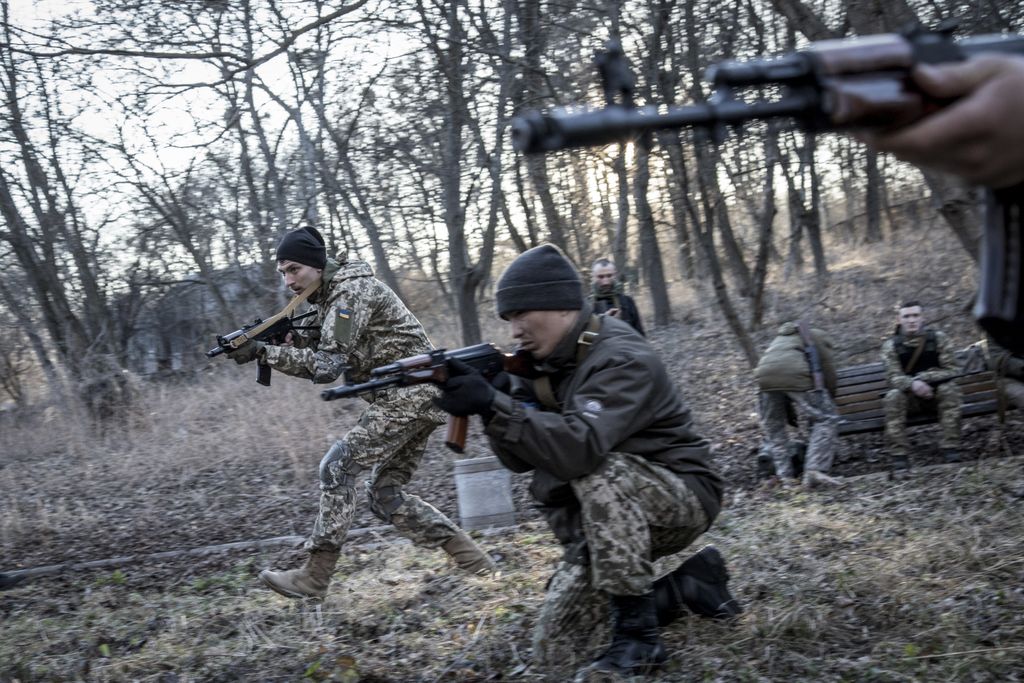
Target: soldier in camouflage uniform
[
  {"x": 921, "y": 369},
  {"x": 1009, "y": 369},
  {"x": 785, "y": 379},
  {"x": 359, "y": 324},
  {"x": 617, "y": 469}
]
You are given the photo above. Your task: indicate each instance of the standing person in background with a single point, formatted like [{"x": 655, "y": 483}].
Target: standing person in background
[
  {"x": 798, "y": 370},
  {"x": 360, "y": 324},
  {"x": 920, "y": 366},
  {"x": 618, "y": 471},
  {"x": 609, "y": 299}
]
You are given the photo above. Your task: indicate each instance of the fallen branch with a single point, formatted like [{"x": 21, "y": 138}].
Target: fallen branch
[{"x": 260, "y": 544}]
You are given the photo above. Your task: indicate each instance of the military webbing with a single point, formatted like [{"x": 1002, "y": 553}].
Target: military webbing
[
  {"x": 286, "y": 311},
  {"x": 542, "y": 385},
  {"x": 928, "y": 337},
  {"x": 616, "y": 303}
]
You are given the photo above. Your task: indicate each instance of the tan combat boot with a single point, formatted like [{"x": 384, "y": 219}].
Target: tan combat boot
[
  {"x": 308, "y": 581},
  {"x": 467, "y": 554}
]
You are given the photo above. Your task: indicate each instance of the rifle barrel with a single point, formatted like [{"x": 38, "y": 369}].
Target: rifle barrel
[{"x": 534, "y": 132}]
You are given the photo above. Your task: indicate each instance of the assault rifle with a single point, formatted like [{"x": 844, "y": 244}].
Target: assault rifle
[
  {"x": 936, "y": 383},
  {"x": 487, "y": 359},
  {"x": 860, "y": 82},
  {"x": 273, "y": 330}
]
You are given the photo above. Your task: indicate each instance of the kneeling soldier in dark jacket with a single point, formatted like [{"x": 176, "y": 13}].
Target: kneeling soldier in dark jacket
[{"x": 617, "y": 469}]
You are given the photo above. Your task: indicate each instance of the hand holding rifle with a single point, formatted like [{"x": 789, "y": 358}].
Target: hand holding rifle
[
  {"x": 467, "y": 378},
  {"x": 963, "y": 115},
  {"x": 980, "y": 135}
]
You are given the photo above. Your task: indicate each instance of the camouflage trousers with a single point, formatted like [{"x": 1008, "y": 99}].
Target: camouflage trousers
[
  {"x": 899, "y": 404},
  {"x": 633, "y": 513},
  {"x": 389, "y": 441},
  {"x": 1014, "y": 391},
  {"x": 819, "y": 411}
]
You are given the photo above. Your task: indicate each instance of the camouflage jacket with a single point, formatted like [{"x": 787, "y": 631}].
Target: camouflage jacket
[
  {"x": 360, "y": 324},
  {"x": 898, "y": 379},
  {"x": 1002, "y": 362}
]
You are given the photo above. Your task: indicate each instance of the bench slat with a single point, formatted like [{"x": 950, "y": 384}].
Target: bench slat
[
  {"x": 877, "y": 424},
  {"x": 843, "y": 402},
  {"x": 860, "y": 389}
]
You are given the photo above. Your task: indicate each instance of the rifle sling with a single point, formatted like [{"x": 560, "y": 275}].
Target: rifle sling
[
  {"x": 286, "y": 311},
  {"x": 542, "y": 385},
  {"x": 917, "y": 355},
  {"x": 811, "y": 351}
]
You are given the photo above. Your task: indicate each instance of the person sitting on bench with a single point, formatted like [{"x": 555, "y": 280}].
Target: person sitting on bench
[{"x": 920, "y": 366}]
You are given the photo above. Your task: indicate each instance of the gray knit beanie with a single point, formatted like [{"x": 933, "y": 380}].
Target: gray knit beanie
[
  {"x": 305, "y": 246},
  {"x": 540, "y": 279}
]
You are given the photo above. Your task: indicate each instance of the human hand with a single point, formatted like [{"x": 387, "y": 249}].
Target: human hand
[
  {"x": 979, "y": 136},
  {"x": 465, "y": 392},
  {"x": 248, "y": 351},
  {"x": 922, "y": 389},
  {"x": 613, "y": 312}
]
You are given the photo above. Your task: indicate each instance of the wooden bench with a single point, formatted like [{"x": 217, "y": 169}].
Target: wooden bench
[{"x": 860, "y": 389}]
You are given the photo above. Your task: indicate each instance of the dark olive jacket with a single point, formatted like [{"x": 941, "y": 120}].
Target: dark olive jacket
[
  {"x": 618, "y": 399},
  {"x": 785, "y": 366}
]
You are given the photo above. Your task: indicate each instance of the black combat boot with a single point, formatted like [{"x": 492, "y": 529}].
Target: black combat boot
[
  {"x": 765, "y": 467},
  {"x": 700, "y": 584},
  {"x": 899, "y": 461},
  {"x": 636, "y": 647}
]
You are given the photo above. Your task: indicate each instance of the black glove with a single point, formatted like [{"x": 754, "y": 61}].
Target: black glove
[
  {"x": 465, "y": 392},
  {"x": 248, "y": 351}
]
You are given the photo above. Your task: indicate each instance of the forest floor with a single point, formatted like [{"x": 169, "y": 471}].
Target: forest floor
[{"x": 918, "y": 579}]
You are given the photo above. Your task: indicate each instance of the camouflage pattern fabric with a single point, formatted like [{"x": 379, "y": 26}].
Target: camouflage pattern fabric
[
  {"x": 389, "y": 441},
  {"x": 822, "y": 419},
  {"x": 634, "y": 511},
  {"x": 1009, "y": 368},
  {"x": 1014, "y": 390},
  {"x": 360, "y": 324},
  {"x": 898, "y": 404},
  {"x": 900, "y": 380},
  {"x": 901, "y": 401}
]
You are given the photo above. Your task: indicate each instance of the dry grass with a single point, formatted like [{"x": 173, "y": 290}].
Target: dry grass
[{"x": 917, "y": 580}]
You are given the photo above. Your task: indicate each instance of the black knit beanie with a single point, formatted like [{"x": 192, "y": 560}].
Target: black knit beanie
[
  {"x": 305, "y": 246},
  {"x": 540, "y": 279}
]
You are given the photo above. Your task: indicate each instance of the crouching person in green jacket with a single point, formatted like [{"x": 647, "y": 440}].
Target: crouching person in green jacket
[
  {"x": 617, "y": 469},
  {"x": 797, "y": 373}
]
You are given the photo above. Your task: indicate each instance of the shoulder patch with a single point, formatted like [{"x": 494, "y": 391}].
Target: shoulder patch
[{"x": 342, "y": 323}]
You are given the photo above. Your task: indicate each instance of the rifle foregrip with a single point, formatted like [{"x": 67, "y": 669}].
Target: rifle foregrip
[{"x": 455, "y": 439}]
